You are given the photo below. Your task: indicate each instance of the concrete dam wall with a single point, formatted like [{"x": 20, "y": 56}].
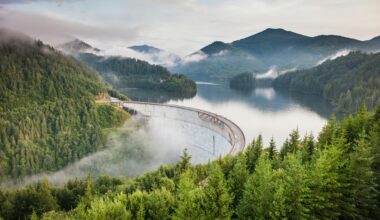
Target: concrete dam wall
[{"x": 213, "y": 122}]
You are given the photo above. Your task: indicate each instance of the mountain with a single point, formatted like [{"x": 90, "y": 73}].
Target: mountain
[
  {"x": 48, "y": 114},
  {"x": 375, "y": 40},
  {"x": 218, "y": 62},
  {"x": 218, "y": 47},
  {"x": 145, "y": 49},
  {"x": 271, "y": 48},
  {"x": 77, "y": 46},
  {"x": 156, "y": 55},
  {"x": 124, "y": 72},
  {"x": 269, "y": 41},
  {"x": 345, "y": 82},
  {"x": 334, "y": 176}
]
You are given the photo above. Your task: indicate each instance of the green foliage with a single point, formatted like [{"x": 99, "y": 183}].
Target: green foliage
[
  {"x": 345, "y": 82},
  {"x": 127, "y": 72},
  {"x": 258, "y": 193},
  {"x": 217, "y": 198},
  {"x": 48, "y": 115},
  {"x": 335, "y": 177},
  {"x": 237, "y": 178},
  {"x": 243, "y": 81},
  {"x": 189, "y": 199}
]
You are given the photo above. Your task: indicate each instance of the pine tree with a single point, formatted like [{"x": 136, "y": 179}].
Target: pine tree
[
  {"x": 258, "y": 193},
  {"x": 362, "y": 180},
  {"x": 253, "y": 153},
  {"x": 285, "y": 149},
  {"x": 237, "y": 178},
  {"x": 189, "y": 199},
  {"x": 325, "y": 183},
  {"x": 271, "y": 149},
  {"x": 296, "y": 190},
  {"x": 159, "y": 204},
  {"x": 217, "y": 200},
  {"x": 294, "y": 141},
  {"x": 184, "y": 163}
]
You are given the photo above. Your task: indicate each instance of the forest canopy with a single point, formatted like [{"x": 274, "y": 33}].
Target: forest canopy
[
  {"x": 48, "y": 114},
  {"x": 345, "y": 82},
  {"x": 124, "y": 72},
  {"x": 333, "y": 176}
]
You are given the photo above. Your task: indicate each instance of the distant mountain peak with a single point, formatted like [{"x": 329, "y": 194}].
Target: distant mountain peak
[
  {"x": 144, "y": 48},
  {"x": 216, "y": 47},
  {"x": 77, "y": 46}
]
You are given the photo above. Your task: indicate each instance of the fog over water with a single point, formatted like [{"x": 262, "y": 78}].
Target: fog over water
[
  {"x": 143, "y": 145},
  {"x": 261, "y": 111}
]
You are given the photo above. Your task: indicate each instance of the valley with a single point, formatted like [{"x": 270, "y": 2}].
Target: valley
[{"x": 189, "y": 110}]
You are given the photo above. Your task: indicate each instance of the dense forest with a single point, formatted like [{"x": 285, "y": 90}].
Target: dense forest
[
  {"x": 335, "y": 176},
  {"x": 128, "y": 72},
  {"x": 48, "y": 114},
  {"x": 243, "y": 81},
  {"x": 345, "y": 82}
]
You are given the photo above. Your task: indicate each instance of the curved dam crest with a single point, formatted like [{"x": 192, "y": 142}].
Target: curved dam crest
[{"x": 214, "y": 122}]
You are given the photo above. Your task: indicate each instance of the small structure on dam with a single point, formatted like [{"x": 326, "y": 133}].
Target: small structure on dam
[{"x": 215, "y": 127}]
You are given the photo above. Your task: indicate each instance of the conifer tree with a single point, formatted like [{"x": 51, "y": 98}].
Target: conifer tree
[
  {"x": 362, "y": 180},
  {"x": 237, "y": 178},
  {"x": 189, "y": 199},
  {"x": 258, "y": 194},
  {"x": 271, "y": 149},
  {"x": 217, "y": 200},
  {"x": 253, "y": 153}
]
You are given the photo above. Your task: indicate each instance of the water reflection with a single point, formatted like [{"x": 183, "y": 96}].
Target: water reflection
[{"x": 260, "y": 111}]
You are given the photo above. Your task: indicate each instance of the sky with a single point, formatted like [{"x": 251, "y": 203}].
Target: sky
[{"x": 185, "y": 26}]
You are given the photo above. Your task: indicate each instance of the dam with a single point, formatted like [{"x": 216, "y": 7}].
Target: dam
[{"x": 212, "y": 127}]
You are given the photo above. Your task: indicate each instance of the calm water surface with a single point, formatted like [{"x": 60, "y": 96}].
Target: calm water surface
[{"x": 261, "y": 111}]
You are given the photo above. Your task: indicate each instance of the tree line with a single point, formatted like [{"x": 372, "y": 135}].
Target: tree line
[
  {"x": 124, "y": 72},
  {"x": 345, "y": 82},
  {"x": 333, "y": 176},
  {"x": 48, "y": 114}
]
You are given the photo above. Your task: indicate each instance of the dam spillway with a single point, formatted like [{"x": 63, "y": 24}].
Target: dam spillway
[{"x": 217, "y": 124}]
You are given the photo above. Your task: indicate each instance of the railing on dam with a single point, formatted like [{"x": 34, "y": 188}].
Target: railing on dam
[{"x": 217, "y": 123}]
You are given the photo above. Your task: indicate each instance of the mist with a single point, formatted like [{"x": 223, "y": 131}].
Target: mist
[
  {"x": 273, "y": 73},
  {"x": 135, "y": 148},
  {"x": 340, "y": 53}
]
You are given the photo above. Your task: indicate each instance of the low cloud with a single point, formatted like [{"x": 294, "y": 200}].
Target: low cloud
[
  {"x": 340, "y": 53},
  {"x": 273, "y": 72},
  {"x": 29, "y": 1},
  {"x": 56, "y": 30},
  {"x": 194, "y": 58}
]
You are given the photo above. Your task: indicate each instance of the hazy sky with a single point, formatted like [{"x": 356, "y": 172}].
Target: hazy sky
[{"x": 184, "y": 26}]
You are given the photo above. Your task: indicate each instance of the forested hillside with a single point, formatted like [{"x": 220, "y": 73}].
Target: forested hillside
[
  {"x": 345, "y": 82},
  {"x": 270, "y": 48},
  {"x": 336, "y": 176},
  {"x": 243, "y": 81},
  {"x": 124, "y": 72},
  {"x": 48, "y": 115}
]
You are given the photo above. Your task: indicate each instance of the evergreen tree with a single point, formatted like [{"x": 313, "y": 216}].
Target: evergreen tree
[
  {"x": 253, "y": 153},
  {"x": 237, "y": 178},
  {"x": 362, "y": 180},
  {"x": 159, "y": 205},
  {"x": 189, "y": 199},
  {"x": 324, "y": 181},
  {"x": 217, "y": 200},
  {"x": 258, "y": 194},
  {"x": 271, "y": 149},
  {"x": 184, "y": 163}
]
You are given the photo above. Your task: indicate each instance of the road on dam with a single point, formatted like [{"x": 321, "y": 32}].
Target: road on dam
[{"x": 216, "y": 123}]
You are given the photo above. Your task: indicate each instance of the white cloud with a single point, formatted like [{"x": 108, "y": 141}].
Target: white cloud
[
  {"x": 184, "y": 26},
  {"x": 340, "y": 53},
  {"x": 193, "y": 58}
]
